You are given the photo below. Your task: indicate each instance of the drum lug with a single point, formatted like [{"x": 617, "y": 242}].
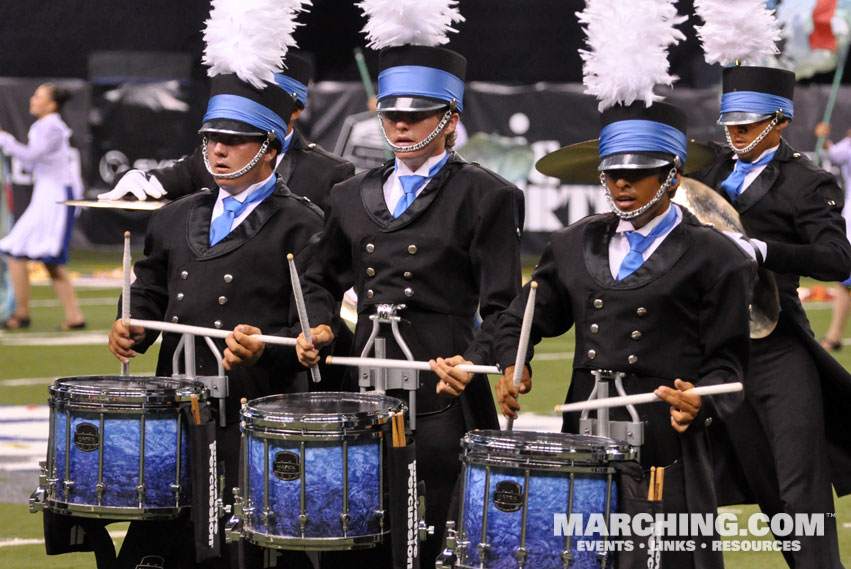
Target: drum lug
[
  {"x": 233, "y": 529},
  {"x": 302, "y": 523},
  {"x": 521, "y": 553},
  {"x": 267, "y": 516},
  {"x": 237, "y": 504},
  {"x": 140, "y": 492},
  {"x": 68, "y": 486},
  {"x": 603, "y": 559},
  {"x": 344, "y": 519},
  {"x": 37, "y": 499},
  {"x": 380, "y": 515},
  {"x": 424, "y": 530},
  {"x": 566, "y": 557},
  {"x": 100, "y": 488},
  {"x": 447, "y": 558},
  {"x": 483, "y": 548}
]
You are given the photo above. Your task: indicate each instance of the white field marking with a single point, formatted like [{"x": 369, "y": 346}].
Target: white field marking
[
  {"x": 724, "y": 510},
  {"x": 534, "y": 422},
  {"x": 16, "y": 541},
  {"x": 847, "y": 525},
  {"x": 91, "y": 338},
  {"x": 53, "y": 303},
  {"x": 553, "y": 356},
  {"x": 26, "y": 381}
]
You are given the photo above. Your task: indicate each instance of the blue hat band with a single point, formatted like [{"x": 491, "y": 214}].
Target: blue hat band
[
  {"x": 756, "y": 102},
  {"x": 250, "y": 112},
  {"x": 290, "y": 85},
  {"x": 642, "y": 136},
  {"x": 417, "y": 80}
]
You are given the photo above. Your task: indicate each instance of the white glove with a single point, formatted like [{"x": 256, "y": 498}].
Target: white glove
[
  {"x": 754, "y": 248},
  {"x": 137, "y": 183}
]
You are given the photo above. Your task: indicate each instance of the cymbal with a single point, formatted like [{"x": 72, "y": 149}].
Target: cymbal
[
  {"x": 577, "y": 163},
  {"x": 117, "y": 204}
]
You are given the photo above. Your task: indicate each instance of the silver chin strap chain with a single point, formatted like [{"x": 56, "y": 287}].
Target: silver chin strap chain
[
  {"x": 756, "y": 141},
  {"x": 627, "y": 215},
  {"x": 424, "y": 142},
  {"x": 233, "y": 175}
]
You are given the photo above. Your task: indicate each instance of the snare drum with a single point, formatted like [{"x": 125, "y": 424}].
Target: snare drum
[
  {"x": 514, "y": 484},
  {"x": 313, "y": 470},
  {"x": 118, "y": 447}
]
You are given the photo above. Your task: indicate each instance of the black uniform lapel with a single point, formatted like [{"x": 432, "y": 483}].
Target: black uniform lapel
[
  {"x": 758, "y": 188},
  {"x": 287, "y": 165},
  {"x": 198, "y": 221},
  {"x": 372, "y": 194},
  {"x": 198, "y": 226}
]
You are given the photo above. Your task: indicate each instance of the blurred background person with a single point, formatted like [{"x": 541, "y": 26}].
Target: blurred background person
[
  {"x": 43, "y": 232},
  {"x": 839, "y": 154}
]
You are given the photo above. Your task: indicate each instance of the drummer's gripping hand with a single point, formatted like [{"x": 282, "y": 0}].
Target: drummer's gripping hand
[
  {"x": 243, "y": 349},
  {"x": 122, "y": 339},
  {"x": 137, "y": 183},
  {"x": 507, "y": 393},
  {"x": 452, "y": 380},
  {"x": 307, "y": 352},
  {"x": 684, "y": 405}
]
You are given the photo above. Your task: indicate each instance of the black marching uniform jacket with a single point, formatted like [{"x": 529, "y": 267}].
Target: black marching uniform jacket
[
  {"x": 243, "y": 279},
  {"x": 307, "y": 169},
  {"x": 682, "y": 314},
  {"x": 455, "y": 249},
  {"x": 795, "y": 207}
]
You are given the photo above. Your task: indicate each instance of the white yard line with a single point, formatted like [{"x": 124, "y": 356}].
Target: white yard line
[{"x": 17, "y": 541}]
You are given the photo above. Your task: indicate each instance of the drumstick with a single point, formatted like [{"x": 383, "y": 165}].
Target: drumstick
[
  {"x": 210, "y": 332},
  {"x": 125, "y": 293},
  {"x": 196, "y": 414},
  {"x": 642, "y": 398},
  {"x": 302, "y": 311},
  {"x": 651, "y": 488},
  {"x": 523, "y": 344},
  {"x": 393, "y": 429},
  {"x": 404, "y": 364},
  {"x": 400, "y": 428},
  {"x": 660, "y": 482}
]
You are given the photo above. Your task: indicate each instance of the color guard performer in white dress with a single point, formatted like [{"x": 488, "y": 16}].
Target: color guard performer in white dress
[{"x": 43, "y": 232}]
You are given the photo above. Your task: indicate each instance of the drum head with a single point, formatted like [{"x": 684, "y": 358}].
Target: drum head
[
  {"x": 321, "y": 411},
  {"x": 542, "y": 449},
  {"x": 120, "y": 392}
]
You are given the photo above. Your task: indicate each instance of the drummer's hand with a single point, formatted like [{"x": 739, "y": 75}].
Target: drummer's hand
[
  {"x": 684, "y": 405},
  {"x": 507, "y": 393},
  {"x": 242, "y": 350},
  {"x": 122, "y": 339},
  {"x": 137, "y": 183},
  {"x": 308, "y": 352},
  {"x": 452, "y": 380},
  {"x": 822, "y": 129}
]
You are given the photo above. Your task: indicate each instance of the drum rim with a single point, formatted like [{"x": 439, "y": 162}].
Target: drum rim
[
  {"x": 474, "y": 445},
  {"x": 68, "y": 392},
  {"x": 281, "y": 420}
]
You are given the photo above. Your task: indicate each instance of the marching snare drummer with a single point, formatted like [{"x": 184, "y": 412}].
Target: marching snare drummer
[
  {"x": 429, "y": 231},
  {"x": 218, "y": 259},
  {"x": 652, "y": 293}
]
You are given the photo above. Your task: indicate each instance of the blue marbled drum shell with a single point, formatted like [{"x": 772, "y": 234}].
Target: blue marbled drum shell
[
  {"x": 121, "y": 439},
  {"x": 548, "y": 495},
  {"x": 323, "y": 473}
]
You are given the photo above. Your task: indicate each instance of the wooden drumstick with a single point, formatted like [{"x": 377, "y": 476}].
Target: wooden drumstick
[
  {"x": 301, "y": 309},
  {"x": 400, "y": 428},
  {"x": 196, "y": 413},
  {"x": 125, "y": 293},
  {"x": 651, "y": 488},
  {"x": 660, "y": 482},
  {"x": 523, "y": 344}
]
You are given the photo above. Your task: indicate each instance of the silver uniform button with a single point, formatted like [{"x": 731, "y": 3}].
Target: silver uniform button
[
  {"x": 831, "y": 202},
  {"x": 217, "y": 323},
  {"x": 228, "y": 279},
  {"x": 174, "y": 319},
  {"x": 592, "y": 354},
  {"x": 223, "y": 300},
  {"x": 370, "y": 293},
  {"x": 370, "y": 248},
  {"x": 636, "y": 335},
  {"x": 407, "y": 275},
  {"x": 594, "y": 328},
  {"x": 184, "y": 275},
  {"x": 180, "y": 296},
  {"x": 707, "y": 422},
  {"x": 641, "y": 311},
  {"x": 796, "y": 155},
  {"x": 409, "y": 292},
  {"x": 598, "y": 303},
  {"x": 412, "y": 249},
  {"x": 370, "y": 272},
  {"x": 632, "y": 359}
]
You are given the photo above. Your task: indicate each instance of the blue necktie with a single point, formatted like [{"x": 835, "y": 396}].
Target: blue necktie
[
  {"x": 412, "y": 183},
  {"x": 220, "y": 227},
  {"x": 734, "y": 182},
  {"x": 639, "y": 243}
]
